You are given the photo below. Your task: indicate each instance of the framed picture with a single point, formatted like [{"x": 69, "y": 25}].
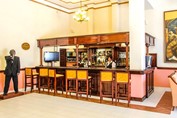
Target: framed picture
[{"x": 170, "y": 33}]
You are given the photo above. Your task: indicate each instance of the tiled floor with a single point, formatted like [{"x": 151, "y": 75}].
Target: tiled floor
[{"x": 45, "y": 106}]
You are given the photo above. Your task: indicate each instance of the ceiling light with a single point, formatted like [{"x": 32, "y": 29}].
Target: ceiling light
[{"x": 80, "y": 15}]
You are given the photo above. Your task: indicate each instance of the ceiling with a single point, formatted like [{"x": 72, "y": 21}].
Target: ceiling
[{"x": 70, "y": 6}]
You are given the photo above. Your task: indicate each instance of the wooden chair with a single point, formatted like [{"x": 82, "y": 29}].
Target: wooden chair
[
  {"x": 43, "y": 75},
  {"x": 71, "y": 84},
  {"x": 122, "y": 86},
  {"x": 55, "y": 77},
  {"x": 173, "y": 86},
  {"x": 31, "y": 77},
  {"x": 106, "y": 77},
  {"x": 82, "y": 77}
]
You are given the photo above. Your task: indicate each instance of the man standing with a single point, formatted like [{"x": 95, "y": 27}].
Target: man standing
[{"x": 11, "y": 71}]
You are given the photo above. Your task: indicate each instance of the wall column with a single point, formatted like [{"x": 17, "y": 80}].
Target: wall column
[
  {"x": 91, "y": 19},
  {"x": 137, "y": 34},
  {"x": 115, "y": 16}
]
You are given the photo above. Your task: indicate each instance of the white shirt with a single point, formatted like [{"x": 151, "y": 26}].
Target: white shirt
[{"x": 113, "y": 64}]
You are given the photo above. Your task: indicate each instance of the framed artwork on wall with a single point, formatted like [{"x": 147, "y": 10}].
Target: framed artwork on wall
[{"x": 170, "y": 35}]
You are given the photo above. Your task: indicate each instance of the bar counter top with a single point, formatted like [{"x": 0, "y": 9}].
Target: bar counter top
[{"x": 86, "y": 68}]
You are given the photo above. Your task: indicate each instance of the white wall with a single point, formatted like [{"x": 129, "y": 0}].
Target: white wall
[
  {"x": 25, "y": 21},
  {"x": 155, "y": 26}
]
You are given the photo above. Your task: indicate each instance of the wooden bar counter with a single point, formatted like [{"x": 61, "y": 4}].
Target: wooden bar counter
[
  {"x": 94, "y": 72},
  {"x": 115, "y": 44}
]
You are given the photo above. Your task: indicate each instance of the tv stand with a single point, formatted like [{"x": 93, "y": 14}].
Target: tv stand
[{"x": 52, "y": 64}]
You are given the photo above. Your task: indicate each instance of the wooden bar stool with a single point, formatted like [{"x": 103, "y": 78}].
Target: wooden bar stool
[
  {"x": 122, "y": 86},
  {"x": 30, "y": 73},
  {"x": 43, "y": 75},
  {"x": 105, "y": 78},
  {"x": 55, "y": 77},
  {"x": 71, "y": 84},
  {"x": 82, "y": 76}
]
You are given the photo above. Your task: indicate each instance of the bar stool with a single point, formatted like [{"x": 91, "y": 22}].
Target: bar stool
[
  {"x": 122, "y": 86},
  {"x": 82, "y": 76},
  {"x": 43, "y": 75},
  {"x": 106, "y": 77},
  {"x": 71, "y": 84},
  {"x": 31, "y": 74},
  {"x": 55, "y": 77}
]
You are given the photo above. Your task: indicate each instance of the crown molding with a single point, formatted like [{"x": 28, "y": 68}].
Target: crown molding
[{"x": 69, "y": 7}]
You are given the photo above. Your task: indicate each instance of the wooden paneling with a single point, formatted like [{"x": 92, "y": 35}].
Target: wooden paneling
[
  {"x": 47, "y": 42},
  {"x": 114, "y": 38},
  {"x": 87, "y": 40},
  {"x": 62, "y": 41},
  {"x": 65, "y": 41},
  {"x": 71, "y": 41}
]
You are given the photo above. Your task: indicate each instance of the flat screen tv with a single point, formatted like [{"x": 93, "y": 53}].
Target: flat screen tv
[{"x": 51, "y": 56}]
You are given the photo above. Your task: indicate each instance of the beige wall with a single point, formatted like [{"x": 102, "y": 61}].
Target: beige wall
[
  {"x": 77, "y": 28},
  {"x": 124, "y": 18},
  {"x": 102, "y": 21},
  {"x": 25, "y": 21}
]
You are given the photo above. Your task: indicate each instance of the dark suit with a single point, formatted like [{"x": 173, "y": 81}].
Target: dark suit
[
  {"x": 11, "y": 70},
  {"x": 109, "y": 65}
]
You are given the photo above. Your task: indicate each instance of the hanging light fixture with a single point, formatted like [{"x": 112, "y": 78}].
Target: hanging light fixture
[{"x": 80, "y": 15}]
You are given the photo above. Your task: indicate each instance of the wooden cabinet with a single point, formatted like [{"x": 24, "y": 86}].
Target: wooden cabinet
[
  {"x": 82, "y": 57},
  {"x": 120, "y": 56},
  {"x": 70, "y": 58},
  {"x": 154, "y": 59},
  {"x": 63, "y": 57},
  {"x": 98, "y": 56}
]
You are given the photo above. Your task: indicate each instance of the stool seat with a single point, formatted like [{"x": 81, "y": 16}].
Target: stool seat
[
  {"x": 89, "y": 77},
  {"x": 59, "y": 75},
  {"x": 35, "y": 73}
]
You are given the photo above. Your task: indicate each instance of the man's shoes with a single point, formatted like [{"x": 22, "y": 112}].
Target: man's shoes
[{"x": 16, "y": 92}]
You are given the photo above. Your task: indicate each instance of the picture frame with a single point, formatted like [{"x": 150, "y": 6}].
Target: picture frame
[{"x": 170, "y": 35}]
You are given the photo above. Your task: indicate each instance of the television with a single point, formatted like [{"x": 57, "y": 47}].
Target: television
[{"x": 51, "y": 56}]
